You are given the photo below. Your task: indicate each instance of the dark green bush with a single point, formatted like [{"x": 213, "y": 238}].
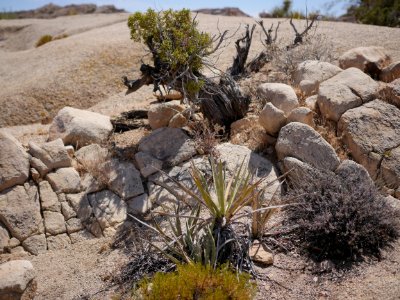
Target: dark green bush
[
  {"x": 341, "y": 219},
  {"x": 377, "y": 12},
  {"x": 198, "y": 282}
]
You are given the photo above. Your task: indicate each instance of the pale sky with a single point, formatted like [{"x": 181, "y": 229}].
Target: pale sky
[{"x": 251, "y": 7}]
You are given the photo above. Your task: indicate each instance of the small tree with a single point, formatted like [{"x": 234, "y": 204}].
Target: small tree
[
  {"x": 179, "y": 52},
  {"x": 376, "y": 12}
]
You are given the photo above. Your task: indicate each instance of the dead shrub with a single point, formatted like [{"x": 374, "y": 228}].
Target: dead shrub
[
  {"x": 206, "y": 136},
  {"x": 341, "y": 218}
]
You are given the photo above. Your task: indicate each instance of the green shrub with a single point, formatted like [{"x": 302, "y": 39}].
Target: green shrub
[
  {"x": 44, "y": 39},
  {"x": 194, "y": 281},
  {"x": 341, "y": 218},
  {"x": 176, "y": 44},
  {"x": 376, "y": 12}
]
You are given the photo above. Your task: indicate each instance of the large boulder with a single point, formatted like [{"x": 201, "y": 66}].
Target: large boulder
[
  {"x": 20, "y": 211},
  {"x": 391, "y": 72},
  {"x": 53, "y": 155},
  {"x": 304, "y": 143},
  {"x": 367, "y": 59},
  {"x": 108, "y": 208},
  {"x": 354, "y": 173},
  {"x": 170, "y": 145},
  {"x": 371, "y": 133},
  {"x": 161, "y": 114},
  {"x": 272, "y": 119},
  {"x": 65, "y": 180},
  {"x": 14, "y": 162},
  {"x": 15, "y": 277},
  {"x": 348, "y": 89},
  {"x": 297, "y": 171},
  {"x": 280, "y": 95},
  {"x": 310, "y": 73},
  {"x": 80, "y": 127}
]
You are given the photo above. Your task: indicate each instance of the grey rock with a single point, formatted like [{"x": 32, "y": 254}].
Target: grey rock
[
  {"x": 147, "y": 164},
  {"x": 303, "y": 115},
  {"x": 74, "y": 225},
  {"x": 272, "y": 119},
  {"x": 58, "y": 242},
  {"x": 348, "y": 89},
  {"x": 363, "y": 57},
  {"x": 20, "y": 211},
  {"x": 48, "y": 197},
  {"x": 14, "y": 162},
  {"x": 313, "y": 72},
  {"x": 35, "y": 244},
  {"x": 65, "y": 180},
  {"x": 39, "y": 166},
  {"x": 80, "y": 127},
  {"x": 90, "y": 184},
  {"x": 15, "y": 277},
  {"x": 304, "y": 143},
  {"x": 281, "y": 95},
  {"x": 170, "y": 145},
  {"x": 139, "y": 205},
  {"x": 67, "y": 211},
  {"x": 81, "y": 205},
  {"x": 371, "y": 133},
  {"x": 53, "y": 154},
  {"x": 108, "y": 208},
  {"x": 354, "y": 173},
  {"x": 298, "y": 171},
  {"x": 91, "y": 155},
  {"x": 54, "y": 222},
  {"x": 390, "y": 168}
]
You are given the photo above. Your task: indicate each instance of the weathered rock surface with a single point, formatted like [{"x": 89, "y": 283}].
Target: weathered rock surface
[
  {"x": 348, "y": 89},
  {"x": 147, "y": 164},
  {"x": 302, "y": 115},
  {"x": 354, "y": 173},
  {"x": 390, "y": 168},
  {"x": 280, "y": 95},
  {"x": 178, "y": 121},
  {"x": 48, "y": 197},
  {"x": 123, "y": 178},
  {"x": 260, "y": 255},
  {"x": 170, "y": 145},
  {"x": 80, "y": 127},
  {"x": 91, "y": 155},
  {"x": 58, "y": 242},
  {"x": 15, "y": 277},
  {"x": 161, "y": 114},
  {"x": 391, "y": 72},
  {"x": 371, "y": 133},
  {"x": 81, "y": 205},
  {"x": 80, "y": 236},
  {"x": 20, "y": 211},
  {"x": 65, "y": 180},
  {"x": 14, "y": 162},
  {"x": 234, "y": 155},
  {"x": 52, "y": 154},
  {"x": 367, "y": 59},
  {"x": 311, "y": 102},
  {"x": 139, "y": 205},
  {"x": 108, "y": 208},
  {"x": 272, "y": 119},
  {"x": 35, "y": 244},
  {"x": 297, "y": 171},
  {"x": 391, "y": 93},
  {"x": 74, "y": 225},
  {"x": 304, "y": 143},
  {"x": 67, "y": 211},
  {"x": 4, "y": 237},
  {"x": 311, "y": 73},
  {"x": 54, "y": 222}
]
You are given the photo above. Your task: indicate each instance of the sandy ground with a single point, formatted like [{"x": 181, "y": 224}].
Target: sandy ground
[{"x": 84, "y": 70}]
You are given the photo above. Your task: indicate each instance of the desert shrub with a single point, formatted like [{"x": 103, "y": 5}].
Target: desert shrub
[
  {"x": 376, "y": 12},
  {"x": 198, "y": 282},
  {"x": 282, "y": 11},
  {"x": 341, "y": 218},
  {"x": 44, "y": 39}
]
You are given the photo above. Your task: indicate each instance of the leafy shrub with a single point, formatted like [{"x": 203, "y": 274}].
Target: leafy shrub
[
  {"x": 376, "y": 12},
  {"x": 339, "y": 218},
  {"x": 198, "y": 282},
  {"x": 44, "y": 39},
  {"x": 177, "y": 46},
  {"x": 283, "y": 11}
]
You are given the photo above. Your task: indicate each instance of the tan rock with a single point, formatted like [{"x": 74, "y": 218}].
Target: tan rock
[
  {"x": 311, "y": 102},
  {"x": 391, "y": 72},
  {"x": 303, "y": 115},
  {"x": 272, "y": 119},
  {"x": 65, "y": 180},
  {"x": 159, "y": 115},
  {"x": 178, "y": 121},
  {"x": 260, "y": 255},
  {"x": 15, "y": 278},
  {"x": 365, "y": 58},
  {"x": 58, "y": 242},
  {"x": 282, "y": 96}
]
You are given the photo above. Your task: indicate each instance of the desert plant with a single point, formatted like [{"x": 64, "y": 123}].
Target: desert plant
[
  {"x": 44, "y": 39},
  {"x": 198, "y": 282},
  {"x": 376, "y": 12},
  {"x": 341, "y": 218},
  {"x": 179, "y": 52}
]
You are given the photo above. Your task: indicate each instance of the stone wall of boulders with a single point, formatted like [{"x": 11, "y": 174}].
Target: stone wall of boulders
[
  {"x": 73, "y": 188},
  {"x": 366, "y": 112}
]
